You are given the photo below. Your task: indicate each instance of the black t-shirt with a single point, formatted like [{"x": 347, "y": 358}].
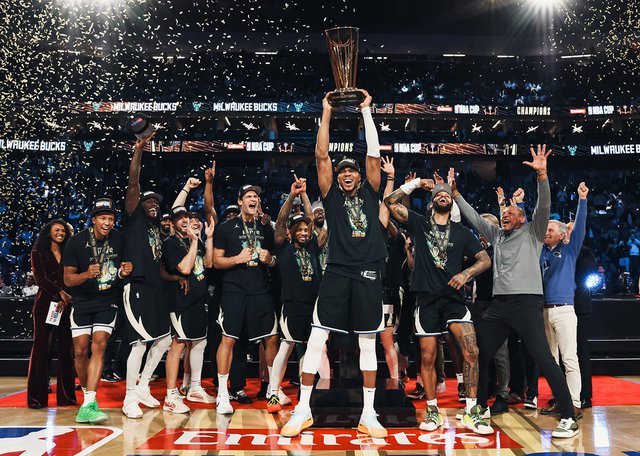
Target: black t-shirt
[
  {"x": 251, "y": 278},
  {"x": 427, "y": 277},
  {"x": 143, "y": 248},
  {"x": 393, "y": 275},
  {"x": 104, "y": 290},
  {"x": 355, "y": 237},
  {"x": 300, "y": 272},
  {"x": 174, "y": 249}
]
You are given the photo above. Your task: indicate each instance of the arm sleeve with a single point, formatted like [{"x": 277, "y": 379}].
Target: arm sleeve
[
  {"x": 540, "y": 218},
  {"x": 39, "y": 268},
  {"x": 579, "y": 227},
  {"x": 485, "y": 228},
  {"x": 370, "y": 133}
]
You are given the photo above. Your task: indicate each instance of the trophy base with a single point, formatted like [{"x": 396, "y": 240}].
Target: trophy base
[{"x": 346, "y": 97}]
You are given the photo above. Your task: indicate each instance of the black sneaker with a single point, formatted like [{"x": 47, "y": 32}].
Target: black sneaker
[
  {"x": 109, "y": 377},
  {"x": 417, "y": 393},
  {"x": 499, "y": 406},
  {"x": 262, "y": 394},
  {"x": 240, "y": 397},
  {"x": 462, "y": 392},
  {"x": 531, "y": 402},
  {"x": 586, "y": 403}
]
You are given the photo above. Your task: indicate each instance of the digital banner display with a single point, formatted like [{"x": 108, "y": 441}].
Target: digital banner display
[{"x": 418, "y": 109}]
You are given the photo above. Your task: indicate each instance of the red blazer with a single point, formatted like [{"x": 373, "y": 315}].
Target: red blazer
[{"x": 49, "y": 277}]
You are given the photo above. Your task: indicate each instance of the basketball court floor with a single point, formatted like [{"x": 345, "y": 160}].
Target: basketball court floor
[{"x": 605, "y": 429}]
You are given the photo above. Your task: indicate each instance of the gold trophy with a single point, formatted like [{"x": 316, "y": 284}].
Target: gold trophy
[{"x": 343, "y": 53}]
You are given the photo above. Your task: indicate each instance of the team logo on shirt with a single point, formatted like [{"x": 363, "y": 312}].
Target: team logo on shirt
[{"x": 198, "y": 268}]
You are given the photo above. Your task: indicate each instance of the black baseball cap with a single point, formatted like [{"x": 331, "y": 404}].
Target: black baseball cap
[
  {"x": 247, "y": 188},
  {"x": 194, "y": 214},
  {"x": 150, "y": 194},
  {"x": 103, "y": 205},
  {"x": 295, "y": 219},
  {"x": 166, "y": 216},
  {"x": 178, "y": 211},
  {"x": 231, "y": 208},
  {"x": 347, "y": 162}
]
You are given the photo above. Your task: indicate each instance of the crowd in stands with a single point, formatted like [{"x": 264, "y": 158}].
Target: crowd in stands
[{"x": 37, "y": 188}]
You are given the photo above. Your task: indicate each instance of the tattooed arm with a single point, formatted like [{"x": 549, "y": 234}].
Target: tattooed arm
[
  {"x": 398, "y": 211},
  {"x": 482, "y": 263}
]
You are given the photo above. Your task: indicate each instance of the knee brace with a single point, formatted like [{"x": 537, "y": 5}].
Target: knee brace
[
  {"x": 317, "y": 339},
  {"x": 368, "y": 360}
]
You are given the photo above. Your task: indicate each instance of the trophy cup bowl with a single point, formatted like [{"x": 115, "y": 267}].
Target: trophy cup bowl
[{"x": 342, "y": 43}]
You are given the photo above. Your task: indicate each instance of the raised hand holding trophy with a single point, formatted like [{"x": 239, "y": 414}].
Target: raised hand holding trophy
[{"x": 343, "y": 53}]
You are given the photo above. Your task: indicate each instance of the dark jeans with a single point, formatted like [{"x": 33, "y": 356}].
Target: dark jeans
[
  {"x": 522, "y": 314},
  {"x": 45, "y": 337},
  {"x": 584, "y": 357}
]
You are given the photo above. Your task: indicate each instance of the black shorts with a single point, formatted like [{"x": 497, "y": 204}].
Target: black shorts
[
  {"x": 256, "y": 313},
  {"x": 347, "y": 304},
  {"x": 433, "y": 316},
  {"x": 91, "y": 320},
  {"x": 391, "y": 306},
  {"x": 146, "y": 311},
  {"x": 295, "y": 321},
  {"x": 190, "y": 323}
]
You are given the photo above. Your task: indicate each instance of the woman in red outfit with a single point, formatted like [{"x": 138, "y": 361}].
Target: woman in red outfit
[{"x": 47, "y": 270}]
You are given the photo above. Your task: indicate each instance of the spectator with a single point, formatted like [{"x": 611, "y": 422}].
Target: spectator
[
  {"x": 5, "y": 290},
  {"x": 30, "y": 288}
]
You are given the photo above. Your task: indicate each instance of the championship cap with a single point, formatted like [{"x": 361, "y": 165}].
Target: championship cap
[
  {"x": 247, "y": 188},
  {"x": 103, "y": 205},
  {"x": 178, "y": 212},
  {"x": 150, "y": 194},
  {"x": 347, "y": 162},
  {"x": 141, "y": 126}
]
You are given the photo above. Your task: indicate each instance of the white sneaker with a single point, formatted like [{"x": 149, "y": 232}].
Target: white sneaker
[
  {"x": 284, "y": 399},
  {"x": 199, "y": 394},
  {"x": 223, "y": 406},
  {"x": 441, "y": 388},
  {"x": 432, "y": 419},
  {"x": 473, "y": 420},
  {"x": 175, "y": 404},
  {"x": 299, "y": 421},
  {"x": 370, "y": 425},
  {"x": 131, "y": 409},
  {"x": 145, "y": 398},
  {"x": 486, "y": 413},
  {"x": 566, "y": 428}
]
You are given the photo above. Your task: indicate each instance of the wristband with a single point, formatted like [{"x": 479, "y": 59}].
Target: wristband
[
  {"x": 390, "y": 178},
  {"x": 120, "y": 273},
  {"x": 186, "y": 191},
  {"x": 410, "y": 186}
]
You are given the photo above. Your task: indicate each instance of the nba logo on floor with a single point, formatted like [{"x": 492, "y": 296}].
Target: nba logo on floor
[{"x": 54, "y": 440}]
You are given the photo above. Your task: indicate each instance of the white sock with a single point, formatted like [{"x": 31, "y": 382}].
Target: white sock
[
  {"x": 222, "y": 385},
  {"x": 276, "y": 372},
  {"x": 156, "y": 352},
  {"x": 471, "y": 402},
  {"x": 196, "y": 360},
  {"x": 368, "y": 394},
  {"x": 84, "y": 390},
  {"x": 432, "y": 402},
  {"x": 134, "y": 361},
  {"x": 89, "y": 397},
  {"x": 460, "y": 378},
  {"x": 172, "y": 392},
  {"x": 305, "y": 396}
]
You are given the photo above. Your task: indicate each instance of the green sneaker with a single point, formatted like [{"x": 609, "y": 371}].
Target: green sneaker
[
  {"x": 432, "y": 420},
  {"x": 474, "y": 421},
  {"x": 91, "y": 414}
]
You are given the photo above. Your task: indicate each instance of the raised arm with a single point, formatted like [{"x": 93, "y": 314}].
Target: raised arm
[
  {"x": 383, "y": 213},
  {"x": 580, "y": 225},
  {"x": 540, "y": 218},
  {"x": 209, "y": 208},
  {"x": 323, "y": 162},
  {"x": 298, "y": 187},
  {"x": 181, "y": 199},
  {"x": 394, "y": 201},
  {"x": 373, "y": 145},
  {"x": 485, "y": 228},
  {"x": 209, "y": 228},
  {"x": 133, "y": 188}
]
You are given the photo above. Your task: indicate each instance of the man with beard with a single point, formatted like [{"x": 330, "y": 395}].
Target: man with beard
[
  {"x": 299, "y": 264},
  {"x": 317, "y": 209},
  {"x": 243, "y": 248},
  {"x": 438, "y": 282},
  {"x": 185, "y": 255},
  {"x": 143, "y": 297},
  {"x": 349, "y": 299},
  {"x": 231, "y": 211},
  {"x": 517, "y": 289},
  {"x": 92, "y": 269},
  {"x": 165, "y": 226}
]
